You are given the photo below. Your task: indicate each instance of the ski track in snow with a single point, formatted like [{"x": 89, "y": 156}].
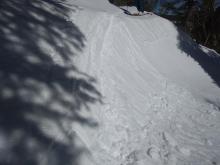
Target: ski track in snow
[
  {"x": 146, "y": 118},
  {"x": 174, "y": 129}
]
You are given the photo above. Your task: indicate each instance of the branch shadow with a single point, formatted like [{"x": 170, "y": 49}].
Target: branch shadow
[
  {"x": 42, "y": 93},
  {"x": 125, "y": 11},
  {"x": 209, "y": 60}
]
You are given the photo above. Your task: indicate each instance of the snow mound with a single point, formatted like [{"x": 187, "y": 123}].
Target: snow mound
[{"x": 83, "y": 83}]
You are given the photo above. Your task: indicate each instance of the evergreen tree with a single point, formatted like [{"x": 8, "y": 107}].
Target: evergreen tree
[{"x": 200, "y": 20}]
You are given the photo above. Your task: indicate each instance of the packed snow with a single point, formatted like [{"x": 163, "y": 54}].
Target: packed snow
[{"x": 93, "y": 85}]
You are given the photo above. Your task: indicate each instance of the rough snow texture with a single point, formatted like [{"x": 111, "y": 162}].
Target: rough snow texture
[{"x": 153, "y": 102}]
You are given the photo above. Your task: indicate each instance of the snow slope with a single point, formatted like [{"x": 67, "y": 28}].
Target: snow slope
[{"x": 147, "y": 98}]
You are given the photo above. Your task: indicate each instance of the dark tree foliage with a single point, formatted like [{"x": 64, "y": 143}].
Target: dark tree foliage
[
  {"x": 200, "y": 20},
  {"x": 148, "y": 4},
  {"x": 122, "y": 2}
]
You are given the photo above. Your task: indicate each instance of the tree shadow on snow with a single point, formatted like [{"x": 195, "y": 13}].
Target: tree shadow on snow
[
  {"x": 209, "y": 60},
  {"x": 41, "y": 98}
]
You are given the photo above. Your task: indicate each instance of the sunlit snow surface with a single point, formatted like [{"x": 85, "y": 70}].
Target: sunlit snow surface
[{"x": 84, "y": 83}]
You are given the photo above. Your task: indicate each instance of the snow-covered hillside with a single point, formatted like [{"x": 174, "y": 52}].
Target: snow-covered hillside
[{"x": 83, "y": 83}]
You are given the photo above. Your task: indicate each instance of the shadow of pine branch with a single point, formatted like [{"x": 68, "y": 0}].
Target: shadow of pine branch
[{"x": 40, "y": 100}]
